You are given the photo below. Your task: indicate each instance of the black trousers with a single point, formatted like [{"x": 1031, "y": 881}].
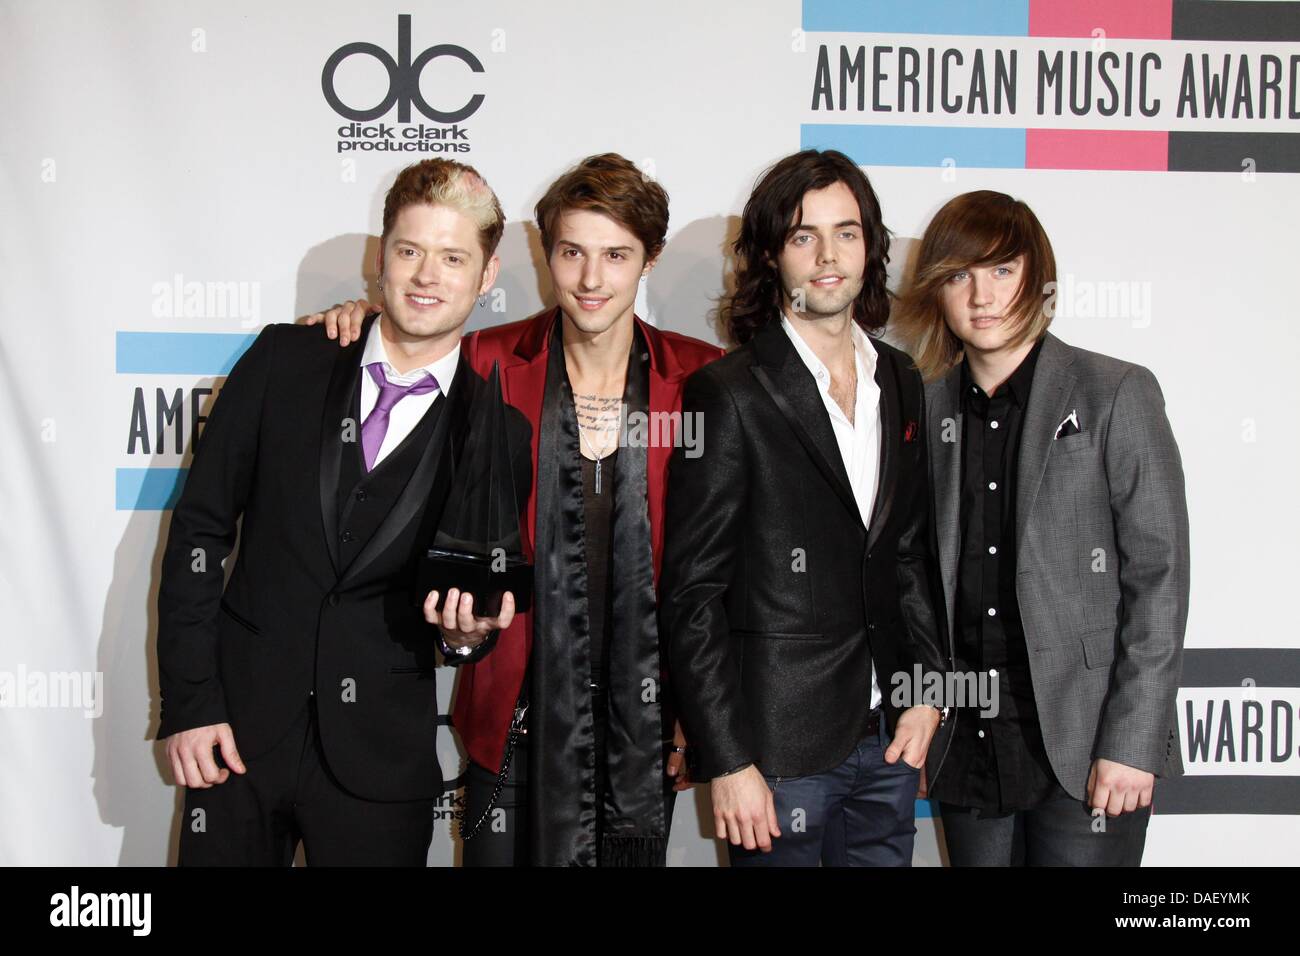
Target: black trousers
[
  {"x": 289, "y": 795},
  {"x": 1059, "y": 831},
  {"x": 502, "y": 840}
]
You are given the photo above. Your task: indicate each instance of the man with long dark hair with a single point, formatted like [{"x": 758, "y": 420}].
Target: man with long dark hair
[{"x": 797, "y": 578}]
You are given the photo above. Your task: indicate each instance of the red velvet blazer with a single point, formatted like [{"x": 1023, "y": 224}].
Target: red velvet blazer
[{"x": 488, "y": 689}]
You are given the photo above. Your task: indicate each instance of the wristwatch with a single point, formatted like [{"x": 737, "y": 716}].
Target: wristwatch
[{"x": 449, "y": 651}]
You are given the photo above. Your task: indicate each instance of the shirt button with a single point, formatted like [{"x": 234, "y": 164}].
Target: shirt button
[
  {"x": 346, "y": 536},
  {"x": 993, "y": 672},
  {"x": 993, "y": 549},
  {"x": 993, "y": 612},
  {"x": 981, "y": 733},
  {"x": 361, "y": 494},
  {"x": 993, "y": 486},
  {"x": 993, "y": 424}
]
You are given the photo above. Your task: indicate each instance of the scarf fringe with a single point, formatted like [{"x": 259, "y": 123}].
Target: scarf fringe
[{"x": 633, "y": 851}]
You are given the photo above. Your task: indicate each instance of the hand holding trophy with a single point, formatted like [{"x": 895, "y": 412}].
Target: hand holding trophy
[{"x": 477, "y": 550}]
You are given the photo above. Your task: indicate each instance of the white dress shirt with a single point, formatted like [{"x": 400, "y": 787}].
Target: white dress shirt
[
  {"x": 859, "y": 440},
  {"x": 406, "y": 414}
]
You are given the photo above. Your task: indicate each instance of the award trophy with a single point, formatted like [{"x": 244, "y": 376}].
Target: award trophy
[{"x": 477, "y": 548}]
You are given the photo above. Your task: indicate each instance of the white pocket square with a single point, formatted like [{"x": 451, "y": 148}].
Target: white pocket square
[{"x": 1065, "y": 428}]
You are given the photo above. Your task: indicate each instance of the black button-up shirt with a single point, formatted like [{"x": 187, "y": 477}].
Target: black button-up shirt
[{"x": 998, "y": 763}]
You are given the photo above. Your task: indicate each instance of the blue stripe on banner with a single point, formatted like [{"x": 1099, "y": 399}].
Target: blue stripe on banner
[
  {"x": 925, "y": 809},
  {"x": 180, "y": 353},
  {"x": 975, "y": 17},
  {"x": 969, "y": 147},
  {"x": 149, "y": 489}
]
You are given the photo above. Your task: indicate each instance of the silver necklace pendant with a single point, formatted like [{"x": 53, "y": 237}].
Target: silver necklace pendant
[{"x": 597, "y": 456}]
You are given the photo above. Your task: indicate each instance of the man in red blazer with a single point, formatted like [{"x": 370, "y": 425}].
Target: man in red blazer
[{"x": 567, "y": 721}]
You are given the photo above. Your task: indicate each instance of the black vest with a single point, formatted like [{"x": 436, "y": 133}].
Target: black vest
[{"x": 364, "y": 499}]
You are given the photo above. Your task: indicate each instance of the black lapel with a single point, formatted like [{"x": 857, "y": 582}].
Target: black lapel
[
  {"x": 891, "y": 437},
  {"x": 338, "y": 422},
  {"x": 792, "y": 387},
  {"x": 437, "y": 455},
  {"x": 1049, "y": 402},
  {"x": 944, "y": 409}
]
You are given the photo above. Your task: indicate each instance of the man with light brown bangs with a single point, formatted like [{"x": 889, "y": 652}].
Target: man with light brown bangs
[{"x": 1063, "y": 549}]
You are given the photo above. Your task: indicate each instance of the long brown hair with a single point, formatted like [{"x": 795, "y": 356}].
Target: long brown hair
[
  {"x": 981, "y": 228},
  {"x": 765, "y": 225}
]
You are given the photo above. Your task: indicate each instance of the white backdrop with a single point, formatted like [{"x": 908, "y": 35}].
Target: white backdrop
[{"x": 175, "y": 168}]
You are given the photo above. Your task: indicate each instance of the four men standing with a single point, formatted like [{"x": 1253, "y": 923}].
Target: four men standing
[{"x": 842, "y": 535}]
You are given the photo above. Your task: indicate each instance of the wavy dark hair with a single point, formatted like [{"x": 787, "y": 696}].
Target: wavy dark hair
[{"x": 773, "y": 208}]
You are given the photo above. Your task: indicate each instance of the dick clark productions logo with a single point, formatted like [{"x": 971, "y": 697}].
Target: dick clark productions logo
[{"x": 403, "y": 78}]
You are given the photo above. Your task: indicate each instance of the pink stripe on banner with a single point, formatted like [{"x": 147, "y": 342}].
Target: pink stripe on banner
[
  {"x": 1096, "y": 149},
  {"x": 1122, "y": 19}
]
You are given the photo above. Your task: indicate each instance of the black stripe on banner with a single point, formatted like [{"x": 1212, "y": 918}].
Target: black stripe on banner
[
  {"x": 1266, "y": 795},
  {"x": 1228, "y": 152},
  {"x": 1228, "y": 667},
  {"x": 1235, "y": 20}
]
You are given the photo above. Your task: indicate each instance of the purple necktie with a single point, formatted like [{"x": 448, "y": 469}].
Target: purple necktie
[{"x": 375, "y": 426}]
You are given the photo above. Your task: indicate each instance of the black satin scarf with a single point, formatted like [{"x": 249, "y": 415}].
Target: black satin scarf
[{"x": 562, "y": 759}]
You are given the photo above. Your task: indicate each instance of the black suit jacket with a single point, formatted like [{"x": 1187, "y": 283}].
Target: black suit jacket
[
  {"x": 295, "y": 619},
  {"x": 777, "y": 595}
]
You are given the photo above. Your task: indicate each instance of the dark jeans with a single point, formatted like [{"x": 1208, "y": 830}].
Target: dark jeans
[
  {"x": 861, "y": 813},
  {"x": 288, "y": 794},
  {"x": 1060, "y": 831}
]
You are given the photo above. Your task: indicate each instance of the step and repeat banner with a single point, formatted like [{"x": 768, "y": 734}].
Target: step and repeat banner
[{"x": 176, "y": 175}]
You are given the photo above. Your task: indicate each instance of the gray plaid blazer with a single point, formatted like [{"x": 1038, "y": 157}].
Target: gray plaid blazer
[{"x": 1102, "y": 557}]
